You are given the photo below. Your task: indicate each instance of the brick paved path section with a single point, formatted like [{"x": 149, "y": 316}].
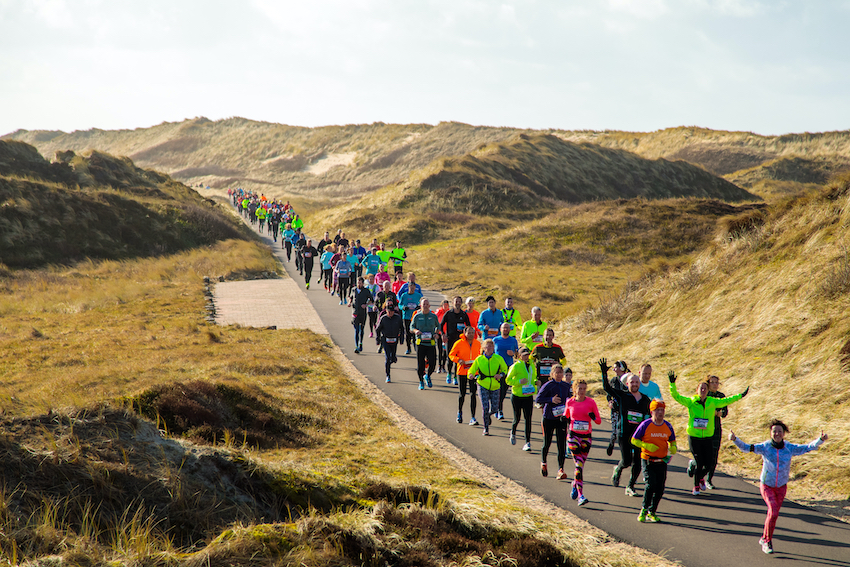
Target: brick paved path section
[{"x": 263, "y": 303}]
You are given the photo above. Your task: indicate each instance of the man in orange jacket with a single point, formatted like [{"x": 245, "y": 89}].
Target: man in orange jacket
[{"x": 463, "y": 352}]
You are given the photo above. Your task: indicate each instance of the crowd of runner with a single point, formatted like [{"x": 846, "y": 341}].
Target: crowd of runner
[{"x": 491, "y": 353}]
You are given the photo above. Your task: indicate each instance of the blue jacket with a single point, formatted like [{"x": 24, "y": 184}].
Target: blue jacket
[
  {"x": 776, "y": 463},
  {"x": 492, "y": 319},
  {"x": 409, "y": 303}
]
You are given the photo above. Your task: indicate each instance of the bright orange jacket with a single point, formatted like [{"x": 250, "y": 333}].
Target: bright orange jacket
[{"x": 464, "y": 354}]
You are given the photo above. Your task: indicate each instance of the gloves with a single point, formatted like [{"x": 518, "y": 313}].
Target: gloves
[
  {"x": 648, "y": 447},
  {"x": 592, "y": 416},
  {"x": 672, "y": 449},
  {"x": 745, "y": 392},
  {"x": 672, "y": 377},
  {"x": 603, "y": 366}
]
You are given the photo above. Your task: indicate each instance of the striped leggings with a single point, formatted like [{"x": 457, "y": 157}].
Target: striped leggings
[{"x": 580, "y": 447}]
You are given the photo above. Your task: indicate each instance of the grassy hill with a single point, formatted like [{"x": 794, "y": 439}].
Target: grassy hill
[
  {"x": 786, "y": 176},
  {"x": 334, "y": 161},
  {"x": 764, "y": 306},
  {"x": 96, "y": 206}
]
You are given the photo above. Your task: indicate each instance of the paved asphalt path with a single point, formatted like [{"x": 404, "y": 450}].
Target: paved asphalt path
[{"x": 721, "y": 527}]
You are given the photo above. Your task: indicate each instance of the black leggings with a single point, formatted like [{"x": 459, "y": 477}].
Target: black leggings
[
  {"x": 629, "y": 457},
  {"x": 716, "y": 441},
  {"x": 373, "y": 319},
  {"x": 655, "y": 477},
  {"x": 442, "y": 354},
  {"x": 408, "y": 334},
  {"x": 426, "y": 357},
  {"x": 473, "y": 393},
  {"x": 288, "y": 245},
  {"x": 328, "y": 276},
  {"x": 308, "y": 271},
  {"x": 503, "y": 392},
  {"x": 389, "y": 355},
  {"x": 558, "y": 426},
  {"x": 523, "y": 406},
  {"x": 702, "y": 449},
  {"x": 344, "y": 282}
]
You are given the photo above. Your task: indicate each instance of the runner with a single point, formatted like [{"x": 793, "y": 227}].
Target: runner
[
  {"x": 546, "y": 354},
  {"x": 452, "y": 326},
  {"x": 308, "y": 252},
  {"x": 634, "y": 410},
  {"x": 490, "y": 370},
  {"x": 647, "y": 386},
  {"x": 463, "y": 353},
  {"x": 490, "y": 319},
  {"x": 473, "y": 314},
  {"x": 410, "y": 283},
  {"x": 657, "y": 442},
  {"x": 701, "y": 426},
  {"x": 343, "y": 271},
  {"x": 442, "y": 348},
  {"x": 372, "y": 263},
  {"x": 522, "y": 377},
  {"x": 506, "y": 347},
  {"x": 512, "y": 316},
  {"x": 398, "y": 256},
  {"x": 620, "y": 368},
  {"x": 382, "y": 276},
  {"x": 553, "y": 396},
  {"x": 361, "y": 300},
  {"x": 409, "y": 302},
  {"x": 371, "y": 309},
  {"x": 384, "y": 297},
  {"x": 327, "y": 267},
  {"x": 286, "y": 240},
  {"x": 533, "y": 329},
  {"x": 390, "y": 329},
  {"x": 299, "y": 242},
  {"x": 581, "y": 412},
  {"x": 325, "y": 241},
  {"x": 776, "y": 457},
  {"x": 425, "y": 325},
  {"x": 714, "y": 392}
]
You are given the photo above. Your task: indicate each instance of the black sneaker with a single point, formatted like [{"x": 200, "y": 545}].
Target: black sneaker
[{"x": 610, "y": 449}]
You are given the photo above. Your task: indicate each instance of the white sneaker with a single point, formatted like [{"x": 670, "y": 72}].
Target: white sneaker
[
  {"x": 526, "y": 447},
  {"x": 513, "y": 438}
]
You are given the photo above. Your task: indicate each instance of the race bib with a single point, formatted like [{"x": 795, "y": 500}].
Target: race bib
[
  {"x": 700, "y": 423},
  {"x": 581, "y": 426},
  {"x": 467, "y": 363},
  {"x": 558, "y": 411},
  {"x": 370, "y": 308},
  {"x": 492, "y": 332},
  {"x": 391, "y": 341},
  {"x": 634, "y": 417},
  {"x": 411, "y": 306},
  {"x": 425, "y": 336},
  {"x": 512, "y": 326},
  {"x": 545, "y": 370},
  {"x": 308, "y": 254},
  {"x": 527, "y": 389},
  {"x": 461, "y": 326}
]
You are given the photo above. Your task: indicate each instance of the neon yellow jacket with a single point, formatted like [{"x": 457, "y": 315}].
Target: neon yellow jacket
[
  {"x": 522, "y": 374},
  {"x": 487, "y": 369}
]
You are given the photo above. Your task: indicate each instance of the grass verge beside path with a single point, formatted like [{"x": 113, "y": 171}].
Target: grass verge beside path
[{"x": 349, "y": 487}]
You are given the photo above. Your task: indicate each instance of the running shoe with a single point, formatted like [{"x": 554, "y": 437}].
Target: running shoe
[
  {"x": 709, "y": 486},
  {"x": 454, "y": 380},
  {"x": 459, "y": 417},
  {"x": 486, "y": 433},
  {"x": 421, "y": 386},
  {"x": 696, "y": 491},
  {"x": 513, "y": 438},
  {"x": 449, "y": 379},
  {"x": 574, "y": 492},
  {"x": 766, "y": 546},
  {"x": 642, "y": 515},
  {"x": 610, "y": 450},
  {"x": 582, "y": 500},
  {"x": 702, "y": 486},
  {"x": 341, "y": 303},
  {"x": 371, "y": 334},
  {"x": 526, "y": 447},
  {"x": 408, "y": 351},
  {"x": 428, "y": 381},
  {"x": 388, "y": 378},
  {"x": 630, "y": 491},
  {"x": 473, "y": 421},
  {"x": 544, "y": 470},
  {"x": 615, "y": 477},
  {"x": 569, "y": 453},
  {"x": 561, "y": 474},
  {"x": 308, "y": 285},
  {"x": 500, "y": 416},
  {"x": 650, "y": 517},
  {"x": 692, "y": 467}
]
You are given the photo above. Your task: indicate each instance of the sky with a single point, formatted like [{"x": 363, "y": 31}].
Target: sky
[{"x": 769, "y": 67}]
